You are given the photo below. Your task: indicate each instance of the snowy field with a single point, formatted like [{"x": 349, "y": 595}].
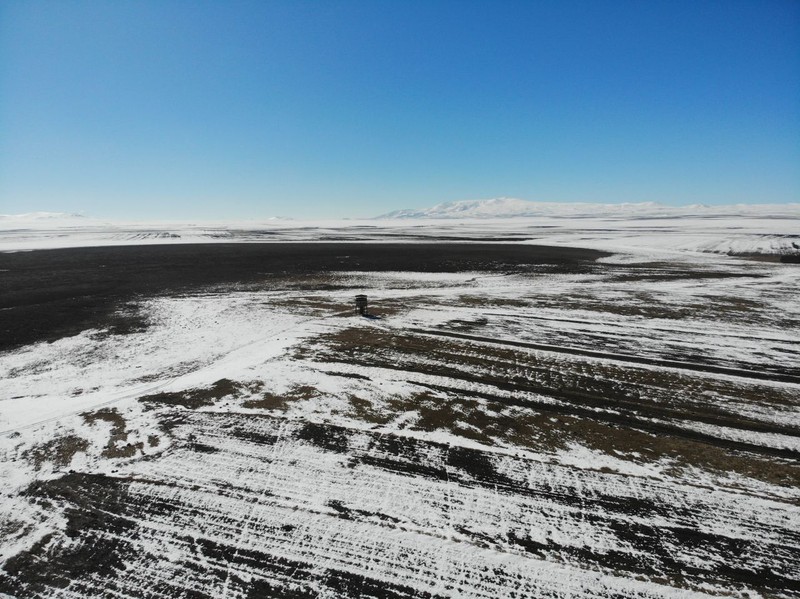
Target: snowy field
[
  {"x": 639, "y": 228},
  {"x": 511, "y": 421}
]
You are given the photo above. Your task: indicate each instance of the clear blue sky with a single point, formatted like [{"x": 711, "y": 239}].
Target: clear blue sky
[{"x": 170, "y": 109}]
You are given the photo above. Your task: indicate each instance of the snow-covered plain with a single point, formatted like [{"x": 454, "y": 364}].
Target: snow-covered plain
[
  {"x": 737, "y": 230},
  {"x": 627, "y": 427}
]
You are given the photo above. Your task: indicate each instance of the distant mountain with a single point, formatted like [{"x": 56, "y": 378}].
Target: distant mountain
[{"x": 515, "y": 208}]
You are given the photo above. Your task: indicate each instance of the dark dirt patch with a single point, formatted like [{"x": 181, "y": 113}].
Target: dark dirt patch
[
  {"x": 364, "y": 409},
  {"x": 196, "y": 398},
  {"x": 203, "y": 448},
  {"x": 329, "y": 438},
  {"x": 349, "y": 375},
  {"x": 116, "y": 446},
  {"x": 268, "y": 401},
  {"x": 59, "y": 451},
  {"x": 49, "y": 294},
  {"x": 342, "y": 510},
  {"x": 98, "y": 519},
  {"x": 126, "y": 319},
  {"x": 464, "y": 325},
  {"x": 13, "y": 528},
  {"x": 271, "y": 401},
  {"x": 252, "y": 436}
]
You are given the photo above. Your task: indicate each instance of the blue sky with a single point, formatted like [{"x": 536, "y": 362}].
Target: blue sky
[{"x": 170, "y": 109}]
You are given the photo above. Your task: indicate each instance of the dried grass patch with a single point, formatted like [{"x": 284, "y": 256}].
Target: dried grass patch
[
  {"x": 117, "y": 446},
  {"x": 272, "y": 401},
  {"x": 200, "y": 397},
  {"x": 58, "y": 451}
]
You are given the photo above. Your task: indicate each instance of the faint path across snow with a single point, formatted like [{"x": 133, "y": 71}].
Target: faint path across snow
[{"x": 196, "y": 376}]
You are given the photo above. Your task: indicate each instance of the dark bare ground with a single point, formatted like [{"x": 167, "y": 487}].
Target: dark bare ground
[
  {"x": 48, "y": 294},
  {"x": 116, "y": 446},
  {"x": 271, "y": 401},
  {"x": 97, "y": 516},
  {"x": 102, "y": 532},
  {"x": 195, "y": 398},
  {"x": 59, "y": 451}
]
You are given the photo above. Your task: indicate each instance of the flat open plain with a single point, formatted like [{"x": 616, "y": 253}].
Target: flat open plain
[{"x": 512, "y": 420}]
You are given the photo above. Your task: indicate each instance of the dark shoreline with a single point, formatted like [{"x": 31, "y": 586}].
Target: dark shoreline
[{"x": 53, "y": 293}]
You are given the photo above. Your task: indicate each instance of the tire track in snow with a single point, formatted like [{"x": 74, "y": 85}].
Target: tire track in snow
[{"x": 127, "y": 394}]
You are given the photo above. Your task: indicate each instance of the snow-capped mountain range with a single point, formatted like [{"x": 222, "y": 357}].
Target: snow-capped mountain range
[{"x": 516, "y": 208}]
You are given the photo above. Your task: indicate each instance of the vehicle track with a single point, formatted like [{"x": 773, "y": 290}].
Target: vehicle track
[{"x": 163, "y": 384}]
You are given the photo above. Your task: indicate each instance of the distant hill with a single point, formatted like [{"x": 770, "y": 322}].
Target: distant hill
[
  {"x": 515, "y": 208},
  {"x": 41, "y": 216}
]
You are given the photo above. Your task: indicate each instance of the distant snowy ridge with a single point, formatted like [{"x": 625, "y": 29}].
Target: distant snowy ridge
[
  {"x": 645, "y": 228},
  {"x": 40, "y": 216},
  {"x": 515, "y": 208}
]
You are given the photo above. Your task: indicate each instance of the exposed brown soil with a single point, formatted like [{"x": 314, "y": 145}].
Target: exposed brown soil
[
  {"x": 117, "y": 446},
  {"x": 196, "y": 398},
  {"x": 59, "y": 451},
  {"x": 271, "y": 401}
]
